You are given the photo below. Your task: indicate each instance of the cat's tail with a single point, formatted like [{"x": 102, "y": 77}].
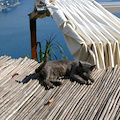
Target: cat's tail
[{"x": 42, "y": 65}]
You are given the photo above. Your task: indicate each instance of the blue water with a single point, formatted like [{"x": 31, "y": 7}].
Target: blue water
[{"x": 15, "y": 34}]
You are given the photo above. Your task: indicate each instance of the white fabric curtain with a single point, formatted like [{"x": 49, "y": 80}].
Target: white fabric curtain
[{"x": 91, "y": 32}]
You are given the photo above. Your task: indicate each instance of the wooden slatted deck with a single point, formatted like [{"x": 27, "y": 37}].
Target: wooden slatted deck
[{"x": 71, "y": 101}]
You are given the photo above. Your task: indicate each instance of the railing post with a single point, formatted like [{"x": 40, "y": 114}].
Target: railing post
[{"x": 33, "y": 38}]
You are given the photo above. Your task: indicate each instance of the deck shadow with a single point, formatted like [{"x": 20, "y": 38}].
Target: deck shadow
[{"x": 35, "y": 76}]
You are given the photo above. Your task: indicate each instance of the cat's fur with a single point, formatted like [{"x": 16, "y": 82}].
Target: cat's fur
[{"x": 76, "y": 70}]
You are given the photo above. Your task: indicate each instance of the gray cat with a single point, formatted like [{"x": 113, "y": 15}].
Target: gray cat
[{"x": 78, "y": 71}]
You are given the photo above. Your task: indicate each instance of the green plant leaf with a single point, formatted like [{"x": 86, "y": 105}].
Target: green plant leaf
[
  {"x": 53, "y": 52},
  {"x": 50, "y": 47}
]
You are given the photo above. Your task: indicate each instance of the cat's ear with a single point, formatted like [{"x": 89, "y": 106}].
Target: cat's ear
[
  {"x": 80, "y": 65},
  {"x": 92, "y": 67}
]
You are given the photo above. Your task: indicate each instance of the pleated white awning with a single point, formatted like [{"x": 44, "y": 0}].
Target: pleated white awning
[{"x": 91, "y": 32}]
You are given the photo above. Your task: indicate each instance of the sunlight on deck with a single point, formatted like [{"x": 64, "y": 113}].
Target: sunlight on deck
[{"x": 71, "y": 101}]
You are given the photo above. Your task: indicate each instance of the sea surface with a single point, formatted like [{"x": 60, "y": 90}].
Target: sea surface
[{"x": 15, "y": 34}]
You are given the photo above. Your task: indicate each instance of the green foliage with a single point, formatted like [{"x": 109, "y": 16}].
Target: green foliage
[
  {"x": 50, "y": 48},
  {"x": 26, "y": 56}
]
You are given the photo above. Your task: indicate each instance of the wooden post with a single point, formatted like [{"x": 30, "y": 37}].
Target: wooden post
[{"x": 33, "y": 38}]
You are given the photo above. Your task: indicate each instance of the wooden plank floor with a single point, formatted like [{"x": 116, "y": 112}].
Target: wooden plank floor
[{"x": 71, "y": 101}]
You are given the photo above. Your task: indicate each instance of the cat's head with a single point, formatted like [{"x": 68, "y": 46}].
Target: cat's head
[{"x": 85, "y": 67}]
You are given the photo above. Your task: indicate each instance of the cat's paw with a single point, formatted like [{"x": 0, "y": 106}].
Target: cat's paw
[
  {"x": 56, "y": 83},
  {"x": 48, "y": 85},
  {"x": 88, "y": 83}
]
